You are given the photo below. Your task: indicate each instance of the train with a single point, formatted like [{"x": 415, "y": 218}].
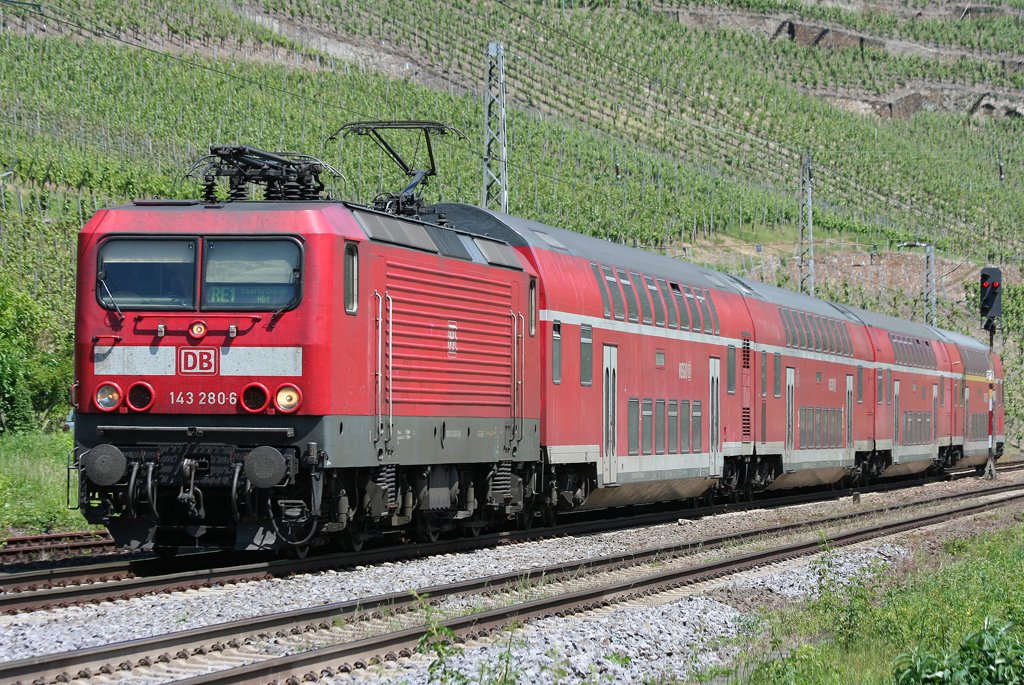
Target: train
[{"x": 265, "y": 369}]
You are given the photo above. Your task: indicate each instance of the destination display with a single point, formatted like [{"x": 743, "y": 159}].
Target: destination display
[{"x": 243, "y": 294}]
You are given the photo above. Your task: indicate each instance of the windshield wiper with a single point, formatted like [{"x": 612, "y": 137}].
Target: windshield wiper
[
  {"x": 101, "y": 278},
  {"x": 296, "y": 280},
  {"x": 280, "y": 310}
]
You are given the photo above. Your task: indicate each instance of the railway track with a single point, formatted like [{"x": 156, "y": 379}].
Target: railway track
[
  {"x": 29, "y": 547},
  {"x": 45, "y": 588},
  {"x": 643, "y": 572}
]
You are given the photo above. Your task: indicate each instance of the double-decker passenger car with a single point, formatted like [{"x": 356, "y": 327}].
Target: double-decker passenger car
[{"x": 266, "y": 374}]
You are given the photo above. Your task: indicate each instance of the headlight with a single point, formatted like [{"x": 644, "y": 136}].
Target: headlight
[
  {"x": 198, "y": 329},
  {"x": 287, "y": 398},
  {"x": 108, "y": 396}
]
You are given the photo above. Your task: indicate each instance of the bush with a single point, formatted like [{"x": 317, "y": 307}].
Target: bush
[
  {"x": 990, "y": 656},
  {"x": 35, "y": 361}
]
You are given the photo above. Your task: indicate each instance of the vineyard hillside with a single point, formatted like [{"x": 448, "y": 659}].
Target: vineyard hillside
[{"x": 680, "y": 127}]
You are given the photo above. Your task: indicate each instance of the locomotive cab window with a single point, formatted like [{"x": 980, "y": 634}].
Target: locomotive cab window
[
  {"x": 146, "y": 273},
  {"x": 351, "y": 278},
  {"x": 249, "y": 273},
  {"x": 533, "y": 307}
]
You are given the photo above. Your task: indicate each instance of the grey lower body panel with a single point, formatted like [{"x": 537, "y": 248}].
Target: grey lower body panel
[
  {"x": 809, "y": 477},
  {"x": 975, "y": 460},
  {"x": 907, "y": 468},
  {"x": 648, "y": 492},
  {"x": 349, "y": 441},
  {"x": 356, "y": 441}
]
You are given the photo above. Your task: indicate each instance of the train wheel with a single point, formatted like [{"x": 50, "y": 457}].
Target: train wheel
[
  {"x": 550, "y": 516},
  {"x": 297, "y": 551},
  {"x": 425, "y": 530},
  {"x": 351, "y": 541},
  {"x": 524, "y": 519}
]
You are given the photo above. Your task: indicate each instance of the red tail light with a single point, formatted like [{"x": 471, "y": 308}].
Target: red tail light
[
  {"x": 255, "y": 398},
  {"x": 140, "y": 396}
]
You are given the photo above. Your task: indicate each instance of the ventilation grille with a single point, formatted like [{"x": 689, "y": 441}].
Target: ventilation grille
[
  {"x": 746, "y": 423},
  {"x": 746, "y": 353}
]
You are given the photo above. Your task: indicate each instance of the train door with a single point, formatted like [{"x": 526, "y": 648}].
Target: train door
[
  {"x": 934, "y": 432},
  {"x": 895, "y": 414},
  {"x": 610, "y": 402},
  {"x": 714, "y": 414},
  {"x": 967, "y": 414},
  {"x": 849, "y": 418},
  {"x": 790, "y": 401}
]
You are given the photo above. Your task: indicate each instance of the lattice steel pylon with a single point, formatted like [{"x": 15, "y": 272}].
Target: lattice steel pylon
[
  {"x": 806, "y": 227},
  {"x": 495, "y": 190}
]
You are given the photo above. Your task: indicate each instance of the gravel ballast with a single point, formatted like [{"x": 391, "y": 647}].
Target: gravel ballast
[
  {"x": 636, "y": 644},
  {"x": 42, "y": 632}
]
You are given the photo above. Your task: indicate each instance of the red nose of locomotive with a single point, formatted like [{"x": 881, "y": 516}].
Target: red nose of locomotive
[
  {"x": 192, "y": 324},
  {"x": 190, "y": 357}
]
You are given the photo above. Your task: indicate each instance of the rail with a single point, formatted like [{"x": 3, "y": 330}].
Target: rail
[{"x": 144, "y": 651}]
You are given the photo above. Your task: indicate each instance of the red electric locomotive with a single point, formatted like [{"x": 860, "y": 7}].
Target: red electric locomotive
[{"x": 276, "y": 373}]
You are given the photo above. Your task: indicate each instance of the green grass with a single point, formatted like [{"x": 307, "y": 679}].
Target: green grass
[
  {"x": 870, "y": 631},
  {"x": 33, "y": 484}
]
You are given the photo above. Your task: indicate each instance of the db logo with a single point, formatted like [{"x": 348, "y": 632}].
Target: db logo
[{"x": 201, "y": 361}]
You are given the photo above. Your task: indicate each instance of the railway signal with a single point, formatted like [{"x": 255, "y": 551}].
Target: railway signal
[
  {"x": 990, "y": 305},
  {"x": 991, "y": 300}
]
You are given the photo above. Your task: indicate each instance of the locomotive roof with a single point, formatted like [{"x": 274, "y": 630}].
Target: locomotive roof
[{"x": 165, "y": 217}]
